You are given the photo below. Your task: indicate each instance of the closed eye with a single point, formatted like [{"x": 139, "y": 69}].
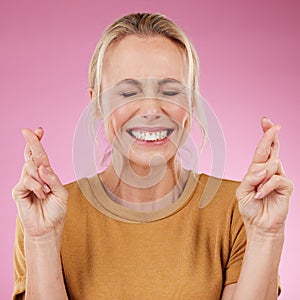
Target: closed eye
[
  {"x": 170, "y": 93},
  {"x": 129, "y": 94}
]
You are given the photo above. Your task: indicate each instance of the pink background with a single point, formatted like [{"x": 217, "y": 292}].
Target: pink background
[{"x": 250, "y": 67}]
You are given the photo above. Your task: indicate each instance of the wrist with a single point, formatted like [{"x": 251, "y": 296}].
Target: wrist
[
  {"x": 271, "y": 231},
  {"x": 52, "y": 234},
  {"x": 257, "y": 237},
  {"x": 47, "y": 242}
]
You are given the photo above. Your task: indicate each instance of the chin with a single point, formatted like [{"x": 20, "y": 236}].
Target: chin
[{"x": 146, "y": 160}]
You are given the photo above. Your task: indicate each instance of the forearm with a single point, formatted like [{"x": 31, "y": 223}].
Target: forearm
[
  {"x": 44, "y": 272},
  {"x": 259, "y": 274}
]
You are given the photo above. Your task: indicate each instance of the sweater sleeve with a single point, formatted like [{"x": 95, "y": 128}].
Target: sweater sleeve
[
  {"x": 237, "y": 241},
  {"x": 19, "y": 261}
]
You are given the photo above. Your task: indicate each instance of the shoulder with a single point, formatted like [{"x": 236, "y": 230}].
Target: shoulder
[
  {"x": 77, "y": 195},
  {"x": 72, "y": 186},
  {"x": 82, "y": 193},
  {"x": 213, "y": 191},
  {"x": 78, "y": 187}
]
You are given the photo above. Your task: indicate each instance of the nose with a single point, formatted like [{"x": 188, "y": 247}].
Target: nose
[{"x": 151, "y": 108}]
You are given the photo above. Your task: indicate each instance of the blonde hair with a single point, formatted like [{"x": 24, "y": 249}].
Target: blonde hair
[{"x": 147, "y": 25}]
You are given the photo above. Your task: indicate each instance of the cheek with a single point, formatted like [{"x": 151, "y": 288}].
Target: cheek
[
  {"x": 112, "y": 125},
  {"x": 114, "y": 122},
  {"x": 180, "y": 115}
]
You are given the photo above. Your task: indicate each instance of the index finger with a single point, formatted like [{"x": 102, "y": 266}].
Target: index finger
[
  {"x": 264, "y": 147},
  {"x": 38, "y": 153}
]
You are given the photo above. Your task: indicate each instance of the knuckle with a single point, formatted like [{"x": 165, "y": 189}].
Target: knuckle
[
  {"x": 29, "y": 164},
  {"x": 27, "y": 151},
  {"x": 26, "y": 180},
  {"x": 52, "y": 176},
  {"x": 274, "y": 161},
  {"x": 248, "y": 178},
  {"x": 37, "y": 193},
  {"x": 262, "y": 150},
  {"x": 277, "y": 179},
  {"x": 38, "y": 189},
  {"x": 269, "y": 134},
  {"x": 277, "y": 162},
  {"x": 273, "y": 165},
  {"x": 41, "y": 156},
  {"x": 14, "y": 192},
  {"x": 291, "y": 185},
  {"x": 252, "y": 168}
]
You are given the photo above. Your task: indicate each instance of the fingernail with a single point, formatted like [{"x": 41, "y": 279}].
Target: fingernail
[
  {"x": 46, "y": 189},
  {"x": 267, "y": 119},
  {"x": 260, "y": 173},
  {"x": 258, "y": 195}
]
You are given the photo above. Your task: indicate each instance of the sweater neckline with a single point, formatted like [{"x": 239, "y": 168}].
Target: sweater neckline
[{"x": 100, "y": 199}]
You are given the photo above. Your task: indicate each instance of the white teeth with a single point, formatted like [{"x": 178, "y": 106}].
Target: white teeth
[{"x": 149, "y": 136}]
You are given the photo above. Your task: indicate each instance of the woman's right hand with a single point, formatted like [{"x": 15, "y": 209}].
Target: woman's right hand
[{"x": 39, "y": 195}]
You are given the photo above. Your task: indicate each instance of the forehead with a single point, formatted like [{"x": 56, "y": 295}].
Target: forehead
[{"x": 136, "y": 57}]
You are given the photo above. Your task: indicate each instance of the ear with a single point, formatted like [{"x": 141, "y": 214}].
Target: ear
[
  {"x": 98, "y": 114},
  {"x": 91, "y": 93}
]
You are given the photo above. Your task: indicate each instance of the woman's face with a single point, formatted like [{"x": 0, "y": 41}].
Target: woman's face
[{"x": 144, "y": 98}]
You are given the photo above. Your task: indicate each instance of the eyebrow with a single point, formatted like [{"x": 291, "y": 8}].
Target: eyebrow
[
  {"x": 129, "y": 81},
  {"x": 137, "y": 83},
  {"x": 169, "y": 80}
]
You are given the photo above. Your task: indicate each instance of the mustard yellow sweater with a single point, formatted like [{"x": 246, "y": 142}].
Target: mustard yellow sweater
[{"x": 188, "y": 250}]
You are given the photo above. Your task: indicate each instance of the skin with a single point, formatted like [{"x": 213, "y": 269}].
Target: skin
[
  {"x": 263, "y": 198},
  {"x": 137, "y": 58},
  {"x": 263, "y": 195},
  {"x": 41, "y": 201}
]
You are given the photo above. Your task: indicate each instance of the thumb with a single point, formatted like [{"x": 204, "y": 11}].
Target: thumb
[
  {"x": 52, "y": 182},
  {"x": 250, "y": 183}
]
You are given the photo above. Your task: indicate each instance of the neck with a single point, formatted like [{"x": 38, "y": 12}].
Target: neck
[{"x": 139, "y": 184}]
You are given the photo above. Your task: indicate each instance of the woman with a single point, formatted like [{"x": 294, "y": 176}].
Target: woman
[{"x": 137, "y": 229}]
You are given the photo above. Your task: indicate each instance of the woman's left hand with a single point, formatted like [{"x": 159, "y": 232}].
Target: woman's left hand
[{"x": 264, "y": 193}]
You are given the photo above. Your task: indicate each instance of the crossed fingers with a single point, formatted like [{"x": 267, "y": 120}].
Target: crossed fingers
[
  {"x": 34, "y": 149},
  {"x": 35, "y": 157},
  {"x": 265, "y": 172},
  {"x": 268, "y": 147}
]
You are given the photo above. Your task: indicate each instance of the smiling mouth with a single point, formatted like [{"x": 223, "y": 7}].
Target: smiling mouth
[{"x": 150, "y": 136}]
